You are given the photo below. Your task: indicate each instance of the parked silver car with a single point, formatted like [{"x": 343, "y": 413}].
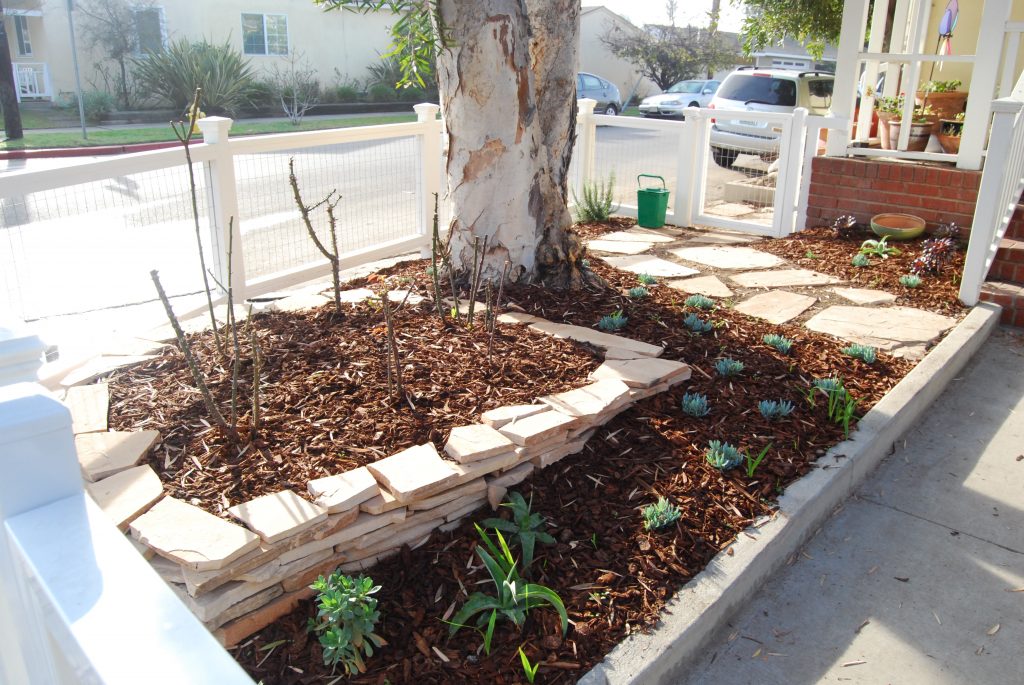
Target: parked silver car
[
  {"x": 751, "y": 89},
  {"x": 673, "y": 101},
  {"x": 596, "y": 88}
]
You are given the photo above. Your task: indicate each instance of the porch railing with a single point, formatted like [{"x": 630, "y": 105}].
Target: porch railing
[{"x": 32, "y": 80}]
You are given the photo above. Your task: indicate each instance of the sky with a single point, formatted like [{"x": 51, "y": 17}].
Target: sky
[{"x": 694, "y": 12}]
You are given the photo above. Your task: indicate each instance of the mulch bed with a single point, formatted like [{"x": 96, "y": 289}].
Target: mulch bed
[
  {"x": 614, "y": 576},
  {"x": 832, "y": 255}
]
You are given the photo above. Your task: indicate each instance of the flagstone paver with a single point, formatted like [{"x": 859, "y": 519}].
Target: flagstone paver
[
  {"x": 537, "y": 429},
  {"x": 902, "y": 331},
  {"x": 100, "y": 366},
  {"x": 619, "y": 246},
  {"x": 641, "y": 373},
  {"x": 499, "y": 416},
  {"x": 864, "y": 295},
  {"x": 298, "y": 303},
  {"x": 278, "y": 515},
  {"x": 727, "y": 257},
  {"x": 128, "y": 494},
  {"x": 730, "y": 209},
  {"x": 590, "y": 400},
  {"x": 476, "y": 442},
  {"x": 642, "y": 235},
  {"x": 89, "y": 405},
  {"x": 415, "y": 472},
  {"x": 104, "y": 454},
  {"x": 782, "y": 278},
  {"x": 596, "y": 338},
  {"x": 647, "y": 264},
  {"x": 712, "y": 286},
  {"x": 343, "y": 491},
  {"x": 777, "y": 306},
  {"x": 720, "y": 238}
]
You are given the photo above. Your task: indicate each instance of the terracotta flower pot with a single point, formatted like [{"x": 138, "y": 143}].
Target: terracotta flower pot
[
  {"x": 883, "y": 130},
  {"x": 919, "y": 135},
  {"x": 945, "y": 105}
]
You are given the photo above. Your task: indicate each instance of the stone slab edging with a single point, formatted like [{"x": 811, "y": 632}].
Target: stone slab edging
[{"x": 698, "y": 612}]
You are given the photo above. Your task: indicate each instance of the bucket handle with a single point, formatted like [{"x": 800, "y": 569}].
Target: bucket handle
[{"x": 663, "y": 186}]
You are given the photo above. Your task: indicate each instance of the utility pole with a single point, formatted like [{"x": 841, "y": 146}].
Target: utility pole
[{"x": 8, "y": 95}]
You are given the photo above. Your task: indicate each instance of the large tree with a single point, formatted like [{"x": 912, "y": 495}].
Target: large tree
[
  {"x": 816, "y": 23},
  {"x": 507, "y": 79},
  {"x": 112, "y": 27},
  {"x": 8, "y": 96}
]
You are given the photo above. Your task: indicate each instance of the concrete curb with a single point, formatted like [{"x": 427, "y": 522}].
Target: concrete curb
[
  {"x": 701, "y": 608},
  {"x": 52, "y": 152}
]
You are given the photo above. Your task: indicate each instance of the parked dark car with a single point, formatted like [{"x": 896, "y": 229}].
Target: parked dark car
[{"x": 596, "y": 88}]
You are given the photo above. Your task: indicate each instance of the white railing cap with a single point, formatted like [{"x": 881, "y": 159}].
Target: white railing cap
[{"x": 29, "y": 412}]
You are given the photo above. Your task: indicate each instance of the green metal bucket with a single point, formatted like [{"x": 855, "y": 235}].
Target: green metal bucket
[{"x": 651, "y": 203}]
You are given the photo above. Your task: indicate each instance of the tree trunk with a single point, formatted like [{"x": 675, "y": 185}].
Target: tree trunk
[
  {"x": 508, "y": 92},
  {"x": 8, "y": 96}
]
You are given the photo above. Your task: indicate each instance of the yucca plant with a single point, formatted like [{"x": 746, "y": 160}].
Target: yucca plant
[
  {"x": 226, "y": 77},
  {"x": 525, "y": 529},
  {"x": 598, "y": 202}
]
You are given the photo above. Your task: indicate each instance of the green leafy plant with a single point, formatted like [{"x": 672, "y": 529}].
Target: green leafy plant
[
  {"x": 827, "y": 385},
  {"x": 753, "y": 462},
  {"x": 525, "y": 529},
  {"x": 661, "y": 514},
  {"x": 910, "y": 281},
  {"x": 695, "y": 405},
  {"x": 695, "y": 324},
  {"x": 598, "y": 203},
  {"x": 515, "y": 597},
  {"x": 646, "y": 279},
  {"x": 529, "y": 670},
  {"x": 700, "y": 302},
  {"x": 941, "y": 86},
  {"x": 345, "y": 619},
  {"x": 97, "y": 104},
  {"x": 860, "y": 260},
  {"x": 773, "y": 410},
  {"x": 879, "y": 248},
  {"x": 728, "y": 367},
  {"x": 615, "y": 321},
  {"x": 779, "y": 342},
  {"x": 722, "y": 455},
  {"x": 865, "y": 353},
  {"x": 841, "y": 404},
  {"x": 638, "y": 293},
  {"x": 810, "y": 255}
]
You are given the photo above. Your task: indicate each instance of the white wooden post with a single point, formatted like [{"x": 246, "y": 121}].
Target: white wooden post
[
  {"x": 868, "y": 96},
  {"x": 430, "y": 170},
  {"x": 224, "y": 216},
  {"x": 791, "y": 148},
  {"x": 687, "y": 171},
  {"x": 897, "y": 44},
  {"x": 586, "y": 142},
  {"x": 922, "y": 11},
  {"x": 1009, "y": 66},
  {"x": 851, "y": 40},
  {"x": 983, "y": 82},
  {"x": 21, "y": 354}
]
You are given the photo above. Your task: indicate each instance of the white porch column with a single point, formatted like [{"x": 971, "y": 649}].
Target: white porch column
[
  {"x": 983, "y": 82},
  {"x": 844, "y": 93}
]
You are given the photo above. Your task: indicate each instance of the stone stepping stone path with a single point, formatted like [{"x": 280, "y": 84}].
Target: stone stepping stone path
[
  {"x": 619, "y": 246},
  {"x": 711, "y": 286},
  {"x": 634, "y": 235},
  {"x": 864, "y": 296},
  {"x": 655, "y": 266},
  {"x": 777, "y": 306},
  {"x": 728, "y": 257},
  {"x": 104, "y": 454},
  {"x": 901, "y": 331},
  {"x": 89, "y": 405},
  {"x": 782, "y": 278}
]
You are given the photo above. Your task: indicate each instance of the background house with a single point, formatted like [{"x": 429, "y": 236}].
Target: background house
[{"x": 596, "y": 58}]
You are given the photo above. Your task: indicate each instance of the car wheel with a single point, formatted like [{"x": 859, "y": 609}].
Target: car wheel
[
  {"x": 694, "y": 104},
  {"x": 611, "y": 110},
  {"x": 723, "y": 157}
]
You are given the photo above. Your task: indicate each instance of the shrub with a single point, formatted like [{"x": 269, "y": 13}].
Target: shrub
[
  {"x": 728, "y": 367},
  {"x": 638, "y": 293},
  {"x": 865, "y": 353},
  {"x": 613, "y": 322},
  {"x": 173, "y": 74},
  {"x": 346, "y": 94},
  {"x": 345, "y": 618},
  {"x": 661, "y": 515},
  {"x": 695, "y": 405},
  {"x": 779, "y": 342},
  {"x": 773, "y": 410},
  {"x": 694, "y": 323},
  {"x": 722, "y": 455},
  {"x": 598, "y": 203},
  {"x": 97, "y": 104},
  {"x": 700, "y": 302},
  {"x": 382, "y": 93}
]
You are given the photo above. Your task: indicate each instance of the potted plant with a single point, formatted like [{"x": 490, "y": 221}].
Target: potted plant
[
  {"x": 890, "y": 115},
  {"x": 949, "y": 133},
  {"x": 943, "y": 97}
]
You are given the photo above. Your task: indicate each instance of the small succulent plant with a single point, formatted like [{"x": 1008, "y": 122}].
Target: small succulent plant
[
  {"x": 700, "y": 302},
  {"x": 860, "y": 260},
  {"x": 779, "y": 342},
  {"x": 615, "y": 321},
  {"x": 845, "y": 226},
  {"x": 865, "y": 353},
  {"x": 638, "y": 293},
  {"x": 910, "y": 280},
  {"x": 661, "y": 515},
  {"x": 696, "y": 324},
  {"x": 695, "y": 404},
  {"x": 728, "y": 367},
  {"x": 773, "y": 410},
  {"x": 722, "y": 455},
  {"x": 950, "y": 230},
  {"x": 827, "y": 385},
  {"x": 936, "y": 253},
  {"x": 646, "y": 279}
]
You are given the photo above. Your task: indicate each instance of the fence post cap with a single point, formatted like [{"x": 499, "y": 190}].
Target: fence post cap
[
  {"x": 215, "y": 129},
  {"x": 28, "y": 410},
  {"x": 426, "y": 111},
  {"x": 21, "y": 353},
  {"x": 586, "y": 105}
]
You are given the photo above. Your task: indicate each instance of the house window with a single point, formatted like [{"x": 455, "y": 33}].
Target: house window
[
  {"x": 265, "y": 34},
  {"x": 24, "y": 39},
  {"x": 149, "y": 30}
]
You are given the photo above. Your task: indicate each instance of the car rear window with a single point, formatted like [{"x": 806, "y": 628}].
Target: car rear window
[{"x": 762, "y": 89}]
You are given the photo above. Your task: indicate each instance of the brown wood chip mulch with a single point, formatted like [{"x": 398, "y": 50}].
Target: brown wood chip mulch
[{"x": 614, "y": 576}]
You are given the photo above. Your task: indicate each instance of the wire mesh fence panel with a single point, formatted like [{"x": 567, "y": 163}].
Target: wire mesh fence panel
[
  {"x": 91, "y": 246},
  {"x": 741, "y": 179},
  {"x": 378, "y": 184},
  {"x": 628, "y": 152}
]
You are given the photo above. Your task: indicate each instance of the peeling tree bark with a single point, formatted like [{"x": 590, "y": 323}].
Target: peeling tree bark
[{"x": 508, "y": 92}]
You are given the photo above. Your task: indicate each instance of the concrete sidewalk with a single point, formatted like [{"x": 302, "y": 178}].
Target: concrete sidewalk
[{"x": 919, "y": 578}]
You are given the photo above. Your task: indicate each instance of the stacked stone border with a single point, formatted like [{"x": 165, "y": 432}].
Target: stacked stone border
[{"x": 239, "y": 576}]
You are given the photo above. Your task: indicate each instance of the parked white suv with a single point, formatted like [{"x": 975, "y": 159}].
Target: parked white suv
[{"x": 750, "y": 89}]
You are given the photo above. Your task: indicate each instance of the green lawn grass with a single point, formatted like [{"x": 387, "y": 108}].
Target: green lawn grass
[{"x": 35, "y": 140}]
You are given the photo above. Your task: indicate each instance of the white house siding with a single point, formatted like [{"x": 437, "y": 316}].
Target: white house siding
[{"x": 596, "y": 58}]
